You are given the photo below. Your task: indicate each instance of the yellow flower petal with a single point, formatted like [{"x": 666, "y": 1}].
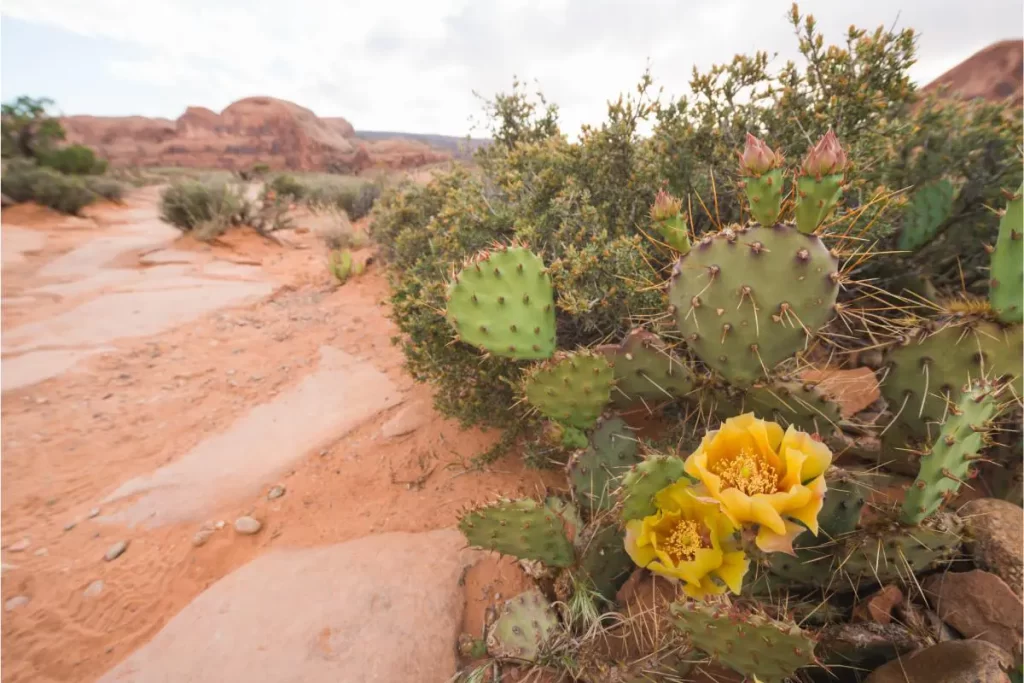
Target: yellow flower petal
[
  {"x": 707, "y": 587},
  {"x": 765, "y": 445},
  {"x": 736, "y": 505},
  {"x": 762, "y": 512},
  {"x": 771, "y": 542},
  {"x": 638, "y": 547},
  {"x": 808, "y": 513},
  {"x": 794, "y": 467},
  {"x": 733, "y": 569},
  {"x": 819, "y": 457}
]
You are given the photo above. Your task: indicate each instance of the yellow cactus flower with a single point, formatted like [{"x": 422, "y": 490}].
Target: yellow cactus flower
[
  {"x": 688, "y": 539},
  {"x": 763, "y": 475}
]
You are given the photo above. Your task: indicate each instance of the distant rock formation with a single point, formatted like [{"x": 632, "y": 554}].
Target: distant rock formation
[
  {"x": 994, "y": 73},
  {"x": 255, "y": 130}
]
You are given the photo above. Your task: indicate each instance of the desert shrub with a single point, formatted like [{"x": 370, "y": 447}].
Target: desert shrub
[
  {"x": 108, "y": 188},
  {"x": 73, "y": 160},
  {"x": 187, "y": 203},
  {"x": 584, "y": 204},
  {"x": 24, "y": 181},
  {"x": 27, "y": 129},
  {"x": 339, "y": 234},
  {"x": 288, "y": 186}
]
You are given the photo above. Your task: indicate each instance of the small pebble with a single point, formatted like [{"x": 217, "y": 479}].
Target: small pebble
[
  {"x": 115, "y": 551},
  {"x": 16, "y": 602},
  {"x": 93, "y": 589},
  {"x": 94, "y": 513},
  {"x": 201, "y": 537},
  {"x": 70, "y": 525},
  {"x": 20, "y": 546},
  {"x": 41, "y": 552},
  {"x": 248, "y": 525},
  {"x": 275, "y": 492},
  {"x": 220, "y": 524}
]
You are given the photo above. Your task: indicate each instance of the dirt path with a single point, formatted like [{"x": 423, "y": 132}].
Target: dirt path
[{"x": 154, "y": 387}]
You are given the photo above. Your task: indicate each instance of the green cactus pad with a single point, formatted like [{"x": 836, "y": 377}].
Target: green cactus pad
[
  {"x": 503, "y": 302},
  {"x": 571, "y": 388},
  {"x": 603, "y": 559},
  {"x": 1006, "y": 287},
  {"x": 926, "y": 213},
  {"x": 764, "y": 194},
  {"x": 522, "y": 528},
  {"x": 948, "y": 463},
  {"x": 646, "y": 479},
  {"x": 526, "y": 624},
  {"x": 749, "y": 642},
  {"x": 847, "y": 492},
  {"x": 595, "y": 472},
  {"x": 675, "y": 233},
  {"x": 645, "y": 370},
  {"x": 815, "y": 199},
  {"x": 747, "y": 298},
  {"x": 931, "y": 369},
  {"x": 790, "y": 402}
]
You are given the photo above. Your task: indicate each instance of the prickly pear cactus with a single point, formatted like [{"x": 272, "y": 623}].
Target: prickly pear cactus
[
  {"x": 646, "y": 479},
  {"x": 503, "y": 302},
  {"x": 747, "y": 298},
  {"x": 572, "y": 388},
  {"x": 603, "y": 559},
  {"x": 931, "y": 369},
  {"x": 522, "y": 528},
  {"x": 646, "y": 370},
  {"x": 791, "y": 402},
  {"x": 1006, "y": 287},
  {"x": 747, "y": 641},
  {"x": 847, "y": 492},
  {"x": 762, "y": 180},
  {"x": 525, "y": 625},
  {"x": 928, "y": 209},
  {"x": 949, "y": 461},
  {"x": 596, "y": 471},
  {"x": 668, "y": 219}
]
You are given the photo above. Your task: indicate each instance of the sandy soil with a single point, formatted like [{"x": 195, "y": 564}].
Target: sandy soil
[{"x": 138, "y": 404}]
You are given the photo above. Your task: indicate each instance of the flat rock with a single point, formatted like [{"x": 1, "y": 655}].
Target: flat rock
[
  {"x": 36, "y": 366},
  {"x": 343, "y": 393},
  {"x": 995, "y": 537},
  {"x": 164, "y": 256},
  {"x": 956, "y": 661},
  {"x": 407, "y": 420},
  {"x": 380, "y": 609},
  {"x": 854, "y": 390},
  {"x": 16, "y": 242},
  {"x": 878, "y": 608},
  {"x": 979, "y": 605},
  {"x": 248, "y": 526}
]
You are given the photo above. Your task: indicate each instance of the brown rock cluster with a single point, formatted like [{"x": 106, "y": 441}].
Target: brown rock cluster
[{"x": 256, "y": 130}]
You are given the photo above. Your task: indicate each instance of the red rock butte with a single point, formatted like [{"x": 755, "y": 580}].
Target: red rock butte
[
  {"x": 994, "y": 73},
  {"x": 255, "y": 130}
]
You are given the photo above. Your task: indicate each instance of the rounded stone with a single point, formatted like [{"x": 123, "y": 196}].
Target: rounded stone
[
  {"x": 995, "y": 538},
  {"x": 93, "y": 589},
  {"x": 955, "y": 661},
  {"x": 248, "y": 525},
  {"x": 115, "y": 551},
  {"x": 275, "y": 492},
  {"x": 16, "y": 602}
]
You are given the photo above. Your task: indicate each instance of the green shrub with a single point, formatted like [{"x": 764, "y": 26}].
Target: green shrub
[
  {"x": 286, "y": 185},
  {"x": 73, "y": 160},
  {"x": 584, "y": 204},
  {"x": 108, "y": 188},
  {"x": 188, "y": 203},
  {"x": 23, "y": 181}
]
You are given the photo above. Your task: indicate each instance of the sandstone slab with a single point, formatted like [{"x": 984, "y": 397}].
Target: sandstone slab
[
  {"x": 956, "y": 661},
  {"x": 979, "y": 605},
  {"x": 379, "y": 609},
  {"x": 995, "y": 537}
]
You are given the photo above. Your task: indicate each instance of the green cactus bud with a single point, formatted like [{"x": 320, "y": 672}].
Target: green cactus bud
[
  {"x": 668, "y": 219},
  {"x": 819, "y": 188},
  {"x": 762, "y": 180}
]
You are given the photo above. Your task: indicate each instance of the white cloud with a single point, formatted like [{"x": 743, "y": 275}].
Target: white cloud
[{"x": 399, "y": 64}]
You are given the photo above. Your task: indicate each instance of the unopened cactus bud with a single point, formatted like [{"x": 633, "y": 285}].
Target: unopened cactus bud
[
  {"x": 757, "y": 158},
  {"x": 826, "y": 158},
  {"x": 665, "y": 206}
]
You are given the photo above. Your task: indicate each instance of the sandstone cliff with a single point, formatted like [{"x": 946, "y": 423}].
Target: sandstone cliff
[
  {"x": 994, "y": 73},
  {"x": 254, "y": 130}
]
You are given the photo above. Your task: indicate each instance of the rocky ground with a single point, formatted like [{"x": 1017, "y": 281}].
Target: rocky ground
[{"x": 214, "y": 465}]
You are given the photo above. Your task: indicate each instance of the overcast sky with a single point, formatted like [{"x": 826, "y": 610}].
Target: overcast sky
[{"x": 413, "y": 65}]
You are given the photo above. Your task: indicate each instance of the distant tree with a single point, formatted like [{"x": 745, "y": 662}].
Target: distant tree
[{"x": 28, "y": 130}]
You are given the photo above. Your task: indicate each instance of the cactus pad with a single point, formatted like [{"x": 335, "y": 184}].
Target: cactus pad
[
  {"x": 503, "y": 302},
  {"x": 750, "y": 643},
  {"x": 948, "y": 463},
  {"x": 791, "y": 402},
  {"x": 764, "y": 194},
  {"x": 815, "y": 199},
  {"x": 1006, "y": 288},
  {"x": 928, "y": 209},
  {"x": 524, "y": 626},
  {"x": 932, "y": 367},
  {"x": 594, "y": 473},
  {"x": 747, "y": 298},
  {"x": 646, "y": 370},
  {"x": 845, "y": 497},
  {"x": 571, "y": 388},
  {"x": 522, "y": 528},
  {"x": 646, "y": 479},
  {"x": 603, "y": 559}
]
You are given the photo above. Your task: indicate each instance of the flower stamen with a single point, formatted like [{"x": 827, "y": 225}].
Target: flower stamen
[
  {"x": 684, "y": 541},
  {"x": 746, "y": 471}
]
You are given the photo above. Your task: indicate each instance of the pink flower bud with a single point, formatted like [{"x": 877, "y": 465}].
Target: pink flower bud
[
  {"x": 826, "y": 158},
  {"x": 757, "y": 157},
  {"x": 665, "y": 206}
]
